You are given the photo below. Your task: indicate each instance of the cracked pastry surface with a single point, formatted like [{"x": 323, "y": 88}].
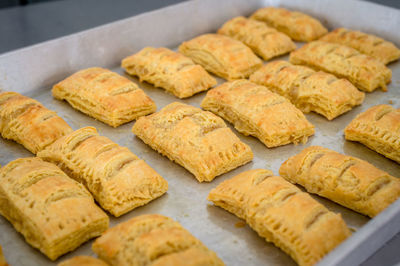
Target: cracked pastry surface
[
  {"x": 369, "y": 44},
  {"x": 117, "y": 178},
  {"x": 265, "y": 41},
  {"x": 378, "y": 128},
  {"x": 297, "y": 25},
  {"x": 309, "y": 90},
  {"x": 54, "y": 213},
  {"x": 155, "y": 240},
  {"x": 255, "y": 110},
  {"x": 29, "y": 123},
  {"x": 364, "y": 71},
  {"x": 197, "y": 140},
  {"x": 221, "y": 55},
  {"x": 104, "y": 95},
  {"x": 282, "y": 214},
  {"x": 170, "y": 70},
  {"x": 347, "y": 180}
]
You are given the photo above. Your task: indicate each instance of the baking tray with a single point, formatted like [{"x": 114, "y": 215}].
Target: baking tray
[{"x": 33, "y": 70}]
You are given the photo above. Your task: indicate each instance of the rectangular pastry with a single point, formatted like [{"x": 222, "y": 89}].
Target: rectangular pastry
[
  {"x": 117, "y": 178},
  {"x": 221, "y": 55},
  {"x": 104, "y": 95},
  {"x": 83, "y": 261},
  {"x": 282, "y": 214},
  {"x": 297, "y": 25},
  {"x": 197, "y": 140},
  {"x": 378, "y": 128},
  {"x": 265, "y": 41},
  {"x": 369, "y": 44},
  {"x": 170, "y": 70},
  {"x": 54, "y": 213},
  {"x": 155, "y": 240},
  {"x": 365, "y": 72},
  {"x": 29, "y": 123},
  {"x": 347, "y": 180},
  {"x": 309, "y": 90},
  {"x": 255, "y": 110}
]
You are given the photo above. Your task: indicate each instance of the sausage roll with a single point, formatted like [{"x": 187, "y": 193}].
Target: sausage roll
[
  {"x": 198, "y": 140},
  {"x": 282, "y": 214}
]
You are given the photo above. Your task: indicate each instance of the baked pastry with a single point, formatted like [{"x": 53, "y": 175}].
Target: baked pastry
[
  {"x": 309, "y": 90},
  {"x": 83, "y": 261},
  {"x": 347, "y": 180},
  {"x": 378, "y": 128},
  {"x": 54, "y": 213},
  {"x": 3, "y": 261},
  {"x": 104, "y": 95},
  {"x": 29, "y": 123},
  {"x": 221, "y": 55},
  {"x": 369, "y": 44},
  {"x": 152, "y": 239},
  {"x": 365, "y": 72},
  {"x": 297, "y": 25},
  {"x": 265, "y": 41},
  {"x": 170, "y": 70},
  {"x": 198, "y": 140},
  {"x": 282, "y": 214},
  {"x": 255, "y": 110},
  {"x": 117, "y": 178}
]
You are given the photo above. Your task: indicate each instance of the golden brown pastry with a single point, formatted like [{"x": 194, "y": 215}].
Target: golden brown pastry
[
  {"x": 265, "y": 41},
  {"x": 378, "y": 128},
  {"x": 369, "y": 44},
  {"x": 221, "y": 55},
  {"x": 3, "y": 261},
  {"x": 104, "y": 95},
  {"x": 365, "y": 72},
  {"x": 155, "y": 240},
  {"x": 83, "y": 261},
  {"x": 29, "y": 123},
  {"x": 297, "y": 25},
  {"x": 255, "y": 110},
  {"x": 170, "y": 70},
  {"x": 347, "y": 180},
  {"x": 117, "y": 178},
  {"x": 282, "y": 214},
  {"x": 54, "y": 213},
  {"x": 309, "y": 90},
  {"x": 198, "y": 140}
]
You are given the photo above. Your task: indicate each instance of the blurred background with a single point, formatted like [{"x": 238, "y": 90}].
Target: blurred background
[
  {"x": 27, "y": 22},
  {"x": 11, "y": 3}
]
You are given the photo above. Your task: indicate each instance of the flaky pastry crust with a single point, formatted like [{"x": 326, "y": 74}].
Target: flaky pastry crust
[
  {"x": 255, "y": 110},
  {"x": 155, "y": 240},
  {"x": 265, "y": 41},
  {"x": 369, "y": 44},
  {"x": 54, "y": 213},
  {"x": 197, "y": 140},
  {"x": 104, "y": 95},
  {"x": 297, "y": 25},
  {"x": 365, "y": 72},
  {"x": 117, "y": 178},
  {"x": 221, "y": 55},
  {"x": 378, "y": 128},
  {"x": 170, "y": 70},
  {"x": 29, "y": 123},
  {"x": 309, "y": 90},
  {"x": 282, "y": 214},
  {"x": 347, "y": 180}
]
